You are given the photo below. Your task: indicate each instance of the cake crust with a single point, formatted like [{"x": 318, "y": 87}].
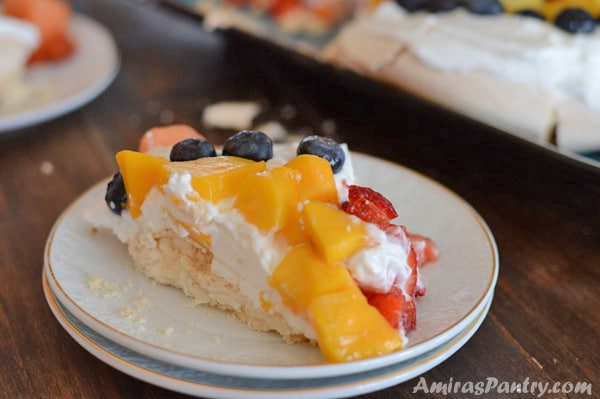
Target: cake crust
[{"x": 185, "y": 264}]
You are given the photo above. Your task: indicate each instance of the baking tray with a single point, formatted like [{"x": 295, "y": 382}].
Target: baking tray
[{"x": 307, "y": 50}]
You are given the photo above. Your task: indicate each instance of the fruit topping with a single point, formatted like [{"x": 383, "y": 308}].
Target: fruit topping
[
  {"x": 390, "y": 305},
  {"x": 249, "y": 144},
  {"x": 349, "y": 329},
  {"x": 303, "y": 275},
  {"x": 575, "y": 20},
  {"x": 442, "y": 5},
  {"x": 192, "y": 148},
  {"x": 370, "y": 206},
  {"x": 323, "y": 147},
  {"x": 316, "y": 181},
  {"x": 215, "y": 178},
  {"x": 531, "y": 13},
  {"x": 398, "y": 305},
  {"x": 424, "y": 248},
  {"x": 141, "y": 172},
  {"x": 485, "y": 7},
  {"x": 116, "y": 197},
  {"x": 167, "y": 136},
  {"x": 412, "y": 5},
  {"x": 269, "y": 199},
  {"x": 334, "y": 233}
]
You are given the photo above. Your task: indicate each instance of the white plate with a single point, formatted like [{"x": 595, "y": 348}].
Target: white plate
[
  {"x": 204, "y": 384},
  {"x": 209, "y": 340},
  {"x": 60, "y": 87}
]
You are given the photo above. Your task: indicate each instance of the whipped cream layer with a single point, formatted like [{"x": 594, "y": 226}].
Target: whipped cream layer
[
  {"x": 241, "y": 253},
  {"x": 18, "y": 39},
  {"x": 520, "y": 49}
]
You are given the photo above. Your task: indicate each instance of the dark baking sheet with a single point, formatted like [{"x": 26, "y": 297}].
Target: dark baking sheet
[{"x": 302, "y": 48}]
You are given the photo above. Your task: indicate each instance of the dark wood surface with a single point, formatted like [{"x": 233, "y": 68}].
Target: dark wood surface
[{"x": 544, "y": 213}]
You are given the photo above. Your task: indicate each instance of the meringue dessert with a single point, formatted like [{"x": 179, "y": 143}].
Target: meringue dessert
[{"x": 279, "y": 236}]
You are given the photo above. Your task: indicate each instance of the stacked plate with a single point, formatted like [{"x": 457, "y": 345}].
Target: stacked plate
[{"x": 155, "y": 334}]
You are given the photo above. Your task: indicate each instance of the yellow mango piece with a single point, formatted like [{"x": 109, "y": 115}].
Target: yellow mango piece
[
  {"x": 268, "y": 199},
  {"x": 317, "y": 182},
  {"x": 348, "y": 328},
  {"x": 551, "y": 8},
  {"x": 140, "y": 173},
  {"x": 514, "y": 6},
  {"x": 335, "y": 234},
  {"x": 302, "y": 276},
  {"x": 217, "y": 178},
  {"x": 293, "y": 232},
  {"x": 213, "y": 178}
]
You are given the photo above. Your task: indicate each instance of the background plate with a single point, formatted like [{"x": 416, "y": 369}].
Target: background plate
[{"x": 67, "y": 85}]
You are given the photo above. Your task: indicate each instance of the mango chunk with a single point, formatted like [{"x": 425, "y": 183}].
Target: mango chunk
[
  {"x": 335, "y": 234},
  {"x": 140, "y": 173},
  {"x": 551, "y": 9},
  {"x": 293, "y": 232},
  {"x": 268, "y": 199},
  {"x": 514, "y": 6},
  {"x": 348, "y": 328},
  {"x": 217, "y": 178},
  {"x": 316, "y": 182},
  {"x": 303, "y": 275},
  {"x": 214, "y": 179}
]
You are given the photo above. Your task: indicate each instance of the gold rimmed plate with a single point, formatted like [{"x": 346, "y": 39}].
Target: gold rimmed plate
[{"x": 158, "y": 321}]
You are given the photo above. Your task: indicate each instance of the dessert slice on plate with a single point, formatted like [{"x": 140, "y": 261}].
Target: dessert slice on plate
[{"x": 281, "y": 237}]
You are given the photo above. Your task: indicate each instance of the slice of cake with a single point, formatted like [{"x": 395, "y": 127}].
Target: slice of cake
[{"x": 281, "y": 238}]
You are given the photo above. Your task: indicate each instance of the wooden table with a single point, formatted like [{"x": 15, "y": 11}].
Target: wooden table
[{"x": 544, "y": 212}]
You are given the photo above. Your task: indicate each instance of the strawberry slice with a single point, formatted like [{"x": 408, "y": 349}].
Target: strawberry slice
[
  {"x": 424, "y": 247},
  {"x": 395, "y": 308},
  {"x": 370, "y": 206},
  {"x": 283, "y": 6},
  {"x": 389, "y": 304},
  {"x": 409, "y": 315}
]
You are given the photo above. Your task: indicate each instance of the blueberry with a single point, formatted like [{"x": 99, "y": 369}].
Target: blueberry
[
  {"x": 190, "y": 149},
  {"x": 531, "y": 13},
  {"x": 249, "y": 144},
  {"x": 485, "y": 7},
  {"x": 323, "y": 147},
  {"x": 575, "y": 20},
  {"x": 442, "y": 5},
  {"x": 116, "y": 197},
  {"x": 411, "y": 5}
]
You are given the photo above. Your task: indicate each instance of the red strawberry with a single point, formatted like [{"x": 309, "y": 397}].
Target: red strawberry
[
  {"x": 395, "y": 308},
  {"x": 389, "y": 305},
  {"x": 424, "y": 247},
  {"x": 370, "y": 206},
  {"x": 409, "y": 315},
  {"x": 283, "y": 6},
  {"x": 411, "y": 282}
]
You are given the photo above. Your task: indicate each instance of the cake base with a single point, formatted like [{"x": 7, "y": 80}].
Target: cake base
[{"x": 183, "y": 263}]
